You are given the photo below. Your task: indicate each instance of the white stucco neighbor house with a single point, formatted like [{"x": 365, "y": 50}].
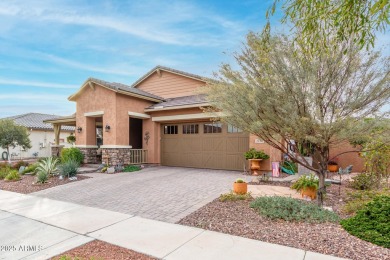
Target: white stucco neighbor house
[{"x": 41, "y": 135}]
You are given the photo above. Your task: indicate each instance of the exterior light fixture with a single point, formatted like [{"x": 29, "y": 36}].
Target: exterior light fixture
[
  {"x": 108, "y": 128},
  {"x": 79, "y": 129}
]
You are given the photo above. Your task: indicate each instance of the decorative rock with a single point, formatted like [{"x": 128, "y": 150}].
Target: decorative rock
[
  {"x": 111, "y": 170},
  {"x": 21, "y": 169},
  {"x": 101, "y": 166}
]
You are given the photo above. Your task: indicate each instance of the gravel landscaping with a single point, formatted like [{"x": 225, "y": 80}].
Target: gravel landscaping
[
  {"x": 237, "y": 218},
  {"x": 101, "y": 250},
  {"x": 27, "y": 184}
]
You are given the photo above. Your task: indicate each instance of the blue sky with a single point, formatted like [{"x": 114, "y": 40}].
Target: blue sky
[{"x": 49, "y": 48}]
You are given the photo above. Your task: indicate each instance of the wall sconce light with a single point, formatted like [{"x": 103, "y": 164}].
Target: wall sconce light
[
  {"x": 108, "y": 128},
  {"x": 79, "y": 129}
]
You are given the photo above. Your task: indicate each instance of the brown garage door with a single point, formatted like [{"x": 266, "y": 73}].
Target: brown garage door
[{"x": 203, "y": 145}]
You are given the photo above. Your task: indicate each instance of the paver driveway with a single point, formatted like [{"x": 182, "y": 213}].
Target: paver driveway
[{"x": 160, "y": 193}]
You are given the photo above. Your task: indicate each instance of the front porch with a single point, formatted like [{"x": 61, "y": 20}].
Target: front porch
[{"x": 95, "y": 151}]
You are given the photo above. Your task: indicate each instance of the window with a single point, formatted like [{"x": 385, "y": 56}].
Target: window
[
  {"x": 170, "y": 130},
  {"x": 233, "y": 129},
  {"x": 212, "y": 128},
  {"x": 190, "y": 129}
]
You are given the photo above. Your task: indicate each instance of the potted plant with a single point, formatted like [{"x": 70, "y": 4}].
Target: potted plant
[
  {"x": 333, "y": 166},
  {"x": 255, "y": 157},
  {"x": 307, "y": 185},
  {"x": 240, "y": 186}
]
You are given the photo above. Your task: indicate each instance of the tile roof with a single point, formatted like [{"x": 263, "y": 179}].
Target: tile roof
[
  {"x": 169, "y": 70},
  {"x": 35, "y": 121},
  {"x": 119, "y": 86},
  {"x": 181, "y": 101}
]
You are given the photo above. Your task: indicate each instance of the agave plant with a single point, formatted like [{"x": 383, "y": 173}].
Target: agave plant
[{"x": 48, "y": 166}]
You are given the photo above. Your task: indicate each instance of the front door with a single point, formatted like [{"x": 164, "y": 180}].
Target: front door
[{"x": 135, "y": 133}]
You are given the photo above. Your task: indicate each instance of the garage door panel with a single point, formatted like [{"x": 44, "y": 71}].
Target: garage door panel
[{"x": 212, "y": 150}]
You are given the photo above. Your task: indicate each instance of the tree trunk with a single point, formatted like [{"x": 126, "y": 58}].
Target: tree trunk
[
  {"x": 321, "y": 188},
  {"x": 9, "y": 156}
]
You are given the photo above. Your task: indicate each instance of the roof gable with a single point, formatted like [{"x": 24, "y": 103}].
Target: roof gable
[
  {"x": 167, "y": 69},
  {"x": 116, "y": 87}
]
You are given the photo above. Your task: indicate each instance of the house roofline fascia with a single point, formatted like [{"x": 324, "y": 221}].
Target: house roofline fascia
[
  {"x": 177, "y": 107},
  {"x": 86, "y": 83}
]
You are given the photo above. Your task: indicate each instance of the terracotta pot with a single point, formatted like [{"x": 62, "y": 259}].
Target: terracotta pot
[
  {"x": 255, "y": 165},
  {"x": 240, "y": 188},
  {"x": 309, "y": 192},
  {"x": 333, "y": 168}
]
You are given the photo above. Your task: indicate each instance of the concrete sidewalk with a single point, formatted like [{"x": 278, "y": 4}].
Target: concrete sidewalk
[{"x": 54, "y": 227}]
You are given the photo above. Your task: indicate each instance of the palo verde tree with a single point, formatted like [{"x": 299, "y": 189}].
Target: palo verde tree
[
  {"x": 281, "y": 94},
  {"x": 12, "y": 135},
  {"x": 348, "y": 20}
]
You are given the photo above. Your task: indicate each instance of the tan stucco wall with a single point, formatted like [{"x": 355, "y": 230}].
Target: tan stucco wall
[
  {"x": 120, "y": 125},
  {"x": 170, "y": 85},
  {"x": 92, "y": 100},
  {"x": 348, "y": 158}
]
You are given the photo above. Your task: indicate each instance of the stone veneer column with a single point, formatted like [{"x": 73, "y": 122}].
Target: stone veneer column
[
  {"x": 116, "y": 155},
  {"x": 90, "y": 154},
  {"x": 56, "y": 150}
]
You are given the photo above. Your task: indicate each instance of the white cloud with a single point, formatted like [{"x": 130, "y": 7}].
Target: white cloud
[
  {"x": 180, "y": 24},
  {"x": 79, "y": 65},
  {"x": 15, "y": 82}
]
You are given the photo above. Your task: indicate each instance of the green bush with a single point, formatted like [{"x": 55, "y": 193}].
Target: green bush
[
  {"x": 292, "y": 210},
  {"x": 239, "y": 180},
  {"x": 69, "y": 168},
  {"x": 4, "y": 171},
  {"x": 131, "y": 168},
  {"x": 306, "y": 182},
  {"x": 72, "y": 153},
  {"x": 254, "y": 154},
  {"x": 231, "y": 196},
  {"x": 31, "y": 168},
  {"x": 42, "y": 177},
  {"x": 363, "y": 181},
  {"x": 372, "y": 223},
  {"x": 357, "y": 200},
  {"x": 13, "y": 175}
]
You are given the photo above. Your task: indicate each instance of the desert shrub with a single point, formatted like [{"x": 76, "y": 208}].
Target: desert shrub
[
  {"x": 48, "y": 166},
  {"x": 13, "y": 175},
  {"x": 18, "y": 164},
  {"x": 357, "y": 200},
  {"x": 4, "y": 171},
  {"x": 372, "y": 223},
  {"x": 69, "y": 168},
  {"x": 72, "y": 153},
  {"x": 292, "y": 210},
  {"x": 31, "y": 168},
  {"x": 363, "y": 181},
  {"x": 131, "y": 168},
  {"x": 231, "y": 196},
  {"x": 42, "y": 177}
]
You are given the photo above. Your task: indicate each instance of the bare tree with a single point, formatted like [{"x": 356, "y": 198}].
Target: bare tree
[{"x": 280, "y": 94}]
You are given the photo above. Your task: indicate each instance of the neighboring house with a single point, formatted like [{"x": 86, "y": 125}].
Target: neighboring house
[
  {"x": 159, "y": 115},
  {"x": 41, "y": 135}
]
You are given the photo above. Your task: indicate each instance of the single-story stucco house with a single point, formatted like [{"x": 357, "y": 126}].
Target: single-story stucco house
[
  {"x": 158, "y": 119},
  {"x": 41, "y": 135}
]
